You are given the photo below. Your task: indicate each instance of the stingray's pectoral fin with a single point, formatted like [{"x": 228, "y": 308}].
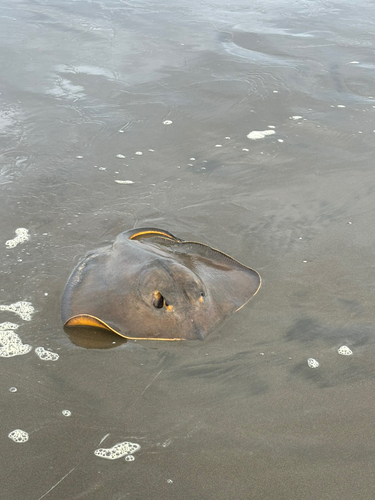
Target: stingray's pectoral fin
[{"x": 87, "y": 320}]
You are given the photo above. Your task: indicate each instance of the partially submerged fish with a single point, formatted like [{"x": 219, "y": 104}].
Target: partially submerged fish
[{"x": 152, "y": 285}]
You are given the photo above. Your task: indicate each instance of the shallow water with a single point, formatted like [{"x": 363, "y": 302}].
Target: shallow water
[{"x": 241, "y": 415}]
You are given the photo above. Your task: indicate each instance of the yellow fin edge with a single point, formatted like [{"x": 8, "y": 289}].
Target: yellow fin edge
[
  {"x": 88, "y": 320},
  {"x": 144, "y": 233}
]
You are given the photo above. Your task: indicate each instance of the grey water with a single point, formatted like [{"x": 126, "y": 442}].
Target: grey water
[{"x": 164, "y": 95}]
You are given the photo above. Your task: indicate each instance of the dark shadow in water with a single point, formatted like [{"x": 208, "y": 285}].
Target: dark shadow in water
[
  {"x": 309, "y": 330},
  {"x": 236, "y": 370},
  {"x": 334, "y": 369},
  {"x": 316, "y": 376},
  {"x": 333, "y": 374}
]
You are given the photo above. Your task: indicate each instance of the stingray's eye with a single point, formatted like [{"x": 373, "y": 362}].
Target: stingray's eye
[
  {"x": 158, "y": 300},
  {"x": 203, "y": 294}
]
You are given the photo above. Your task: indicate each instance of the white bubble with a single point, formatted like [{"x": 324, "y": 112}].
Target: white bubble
[
  {"x": 119, "y": 450},
  {"x": 124, "y": 182},
  {"x": 312, "y": 363},
  {"x": 259, "y": 134},
  {"x": 120, "y": 156},
  {"x": 245, "y": 149},
  {"x": 218, "y": 145},
  {"x": 295, "y": 117},
  {"x": 10, "y": 343},
  {"x": 18, "y": 436},
  {"x": 170, "y": 481},
  {"x": 271, "y": 126},
  {"x": 23, "y": 309},
  {"x": 129, "y": 458},
  {"x": 354, "y": 62},
  {"x": 345, "y": 350},
  {"x": 139, "y": 153},
  {"x": 341, "y": 106},
  {"x": 12, "y": 389},
  {"x": 280, "y": 140},
  {"x": 79, "y": 157},
  {"x": 46, "y": 355},
  {"x": 167, "y": 122},
  {"x": 66, "y": 413},
  {"x": 102, "y": 168},
  {"x": 167, "y": 443},
  {"x": 22, "y": 236}
]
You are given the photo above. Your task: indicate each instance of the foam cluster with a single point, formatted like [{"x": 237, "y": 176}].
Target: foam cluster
[
  {"x": 345, "y": 350},
  {"x": 23, "y": 309},
  {"x": 66, "y": 413},
  {"x": 312, "y": 363},
  {"x": 10, "y": 342},
  {"x": 22, "y": 236},
  {"x": 119, "y": 450},
  {"x": 46, "y": 355},
  {"x": 18, "y": 436},
  {"x": 259, "y": 134}
]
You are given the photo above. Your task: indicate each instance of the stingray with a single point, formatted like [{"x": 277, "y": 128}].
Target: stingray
[{"x": 150, "y": 284}]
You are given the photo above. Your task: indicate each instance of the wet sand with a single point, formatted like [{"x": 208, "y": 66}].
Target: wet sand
[{"x": 85, "y": 88}]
